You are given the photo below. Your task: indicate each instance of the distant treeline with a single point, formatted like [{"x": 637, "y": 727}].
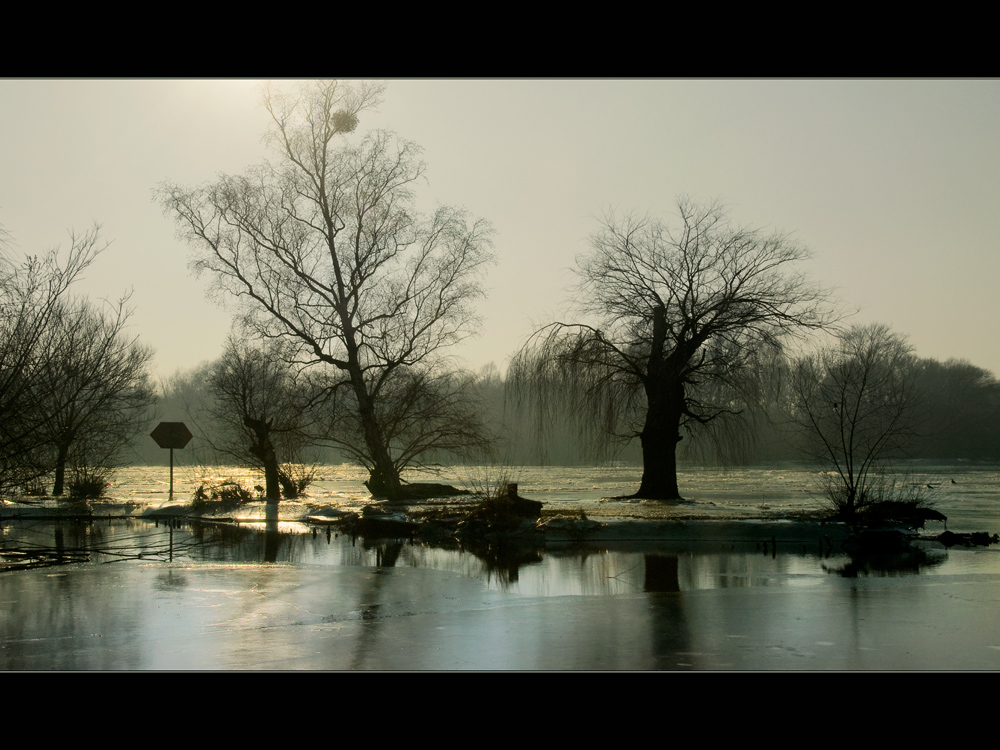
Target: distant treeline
[{"x": 958, "y": 417}]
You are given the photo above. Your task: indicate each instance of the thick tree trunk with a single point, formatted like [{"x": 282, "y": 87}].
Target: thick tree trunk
[
  {"x": 385, "y": 484},
  {"x": 383, "y": 478},
  {"x": 659, "y": 438},
  {"x": 659, "y": 470},
  {"x": 664, "y": 407},
  {"x": 263, "y": 450},
  {"x": 272, "y": 485}
]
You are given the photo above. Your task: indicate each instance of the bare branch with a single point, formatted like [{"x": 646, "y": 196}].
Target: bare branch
[
  {"x": 856, "y": 402},
  {"x": 327, "y": 249},
  {"x": 74, "y": 384},
  {"x": 672, "y": 318}
]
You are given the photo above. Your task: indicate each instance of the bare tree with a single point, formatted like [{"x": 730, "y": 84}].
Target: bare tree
[
  {"x": 32, "y": 296},
  {"x": 262, "y": 408},
  {"x": 93, "y": 386},
  {"x": 424, "y": 413},
  {"x": 856, "y": 401},
  {"x": 328, "y": 250},
  {"x": 673, "y": 319}
]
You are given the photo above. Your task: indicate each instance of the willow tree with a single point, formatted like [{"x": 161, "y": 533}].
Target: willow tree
[
  {"x": 328, "y": 249},
  {"x": 671, "y": 321}
]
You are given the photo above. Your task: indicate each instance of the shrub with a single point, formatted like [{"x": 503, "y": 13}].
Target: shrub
[
  {"x": 35, "y": 488},
  {"x": 227, "y": 494},
  {"x": 232, "y": 493},
  {"x": 200, "y": 498},
  {"x": 88, "y": 484},
  {"x": 885, "y": 499},
  {"x": 295, "y": 478},
  {"x": 490, "y": 481}
]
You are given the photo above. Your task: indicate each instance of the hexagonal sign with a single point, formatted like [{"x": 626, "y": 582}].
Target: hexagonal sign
[{"x": 171, "y": 435}]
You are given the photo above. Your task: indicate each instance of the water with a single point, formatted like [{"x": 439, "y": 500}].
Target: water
[
  {"x": 133, "y": 593},
  {"x": 969, "y": 495}
]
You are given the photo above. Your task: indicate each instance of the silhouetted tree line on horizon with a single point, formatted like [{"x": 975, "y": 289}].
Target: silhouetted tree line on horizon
[{"x": 955, "y": 415}]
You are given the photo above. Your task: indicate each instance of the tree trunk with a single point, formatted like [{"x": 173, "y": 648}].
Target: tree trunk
[
  {"x": 61, "y": 458},
  {"x": 383, "y": 478},
  {"x": 659, "y": 438},
  {"x": 272, "y": 486},
  {"x": 664, "y": 407},
  {"x": 263, "y": 450}
]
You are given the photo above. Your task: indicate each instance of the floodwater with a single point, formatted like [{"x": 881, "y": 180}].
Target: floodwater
[
  {"x": 968, "y": 493},
  {"x": 740, "y": 594}
]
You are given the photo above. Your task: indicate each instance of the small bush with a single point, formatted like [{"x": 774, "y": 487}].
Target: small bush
[
  {"x": 884, "y": 499},
  {"x": 914, "y": 513},
  {"x": 232, "y": 493},
  {"x": 200, "y": 498},
  {"x": 88, "y": 484},
  {"x": 35, "y": 488},
  {"x": 295, "y": 478},
  {"x": 490, "y": 481},
  {"x": 227, "y": 494}
]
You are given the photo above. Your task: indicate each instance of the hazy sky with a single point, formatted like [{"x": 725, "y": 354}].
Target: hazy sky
[{"x": 894, "y": 185}]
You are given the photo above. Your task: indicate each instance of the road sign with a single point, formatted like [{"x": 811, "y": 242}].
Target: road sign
[{"x": 171, "y": 435}]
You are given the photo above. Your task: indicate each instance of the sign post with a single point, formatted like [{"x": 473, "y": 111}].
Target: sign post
[{"x": 171, "y": 435}]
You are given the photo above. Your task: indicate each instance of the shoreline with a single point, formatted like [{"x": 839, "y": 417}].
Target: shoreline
[{"x": 606, "y": 521}]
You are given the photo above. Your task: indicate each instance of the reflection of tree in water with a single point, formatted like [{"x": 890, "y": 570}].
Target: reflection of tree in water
[
  {"x": 670, "y": 633},
  {"x": 501, "y": 560},
  {"x": 77, "y": 537},
  {"x": 386, "y": 553},
  {"x": 235, "y": 543},
  {"x": 272, "y": 537},
  {"x": 504, "y": 559},
  {"x": 662, "y": 573},
  {"x": 66, "y": 608},
  {"x": 907, "y": 560},
  {"x": 44, "y": 543},
  {"x": 80, "y": 534},
  {"x": 386, "y": 556}
]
